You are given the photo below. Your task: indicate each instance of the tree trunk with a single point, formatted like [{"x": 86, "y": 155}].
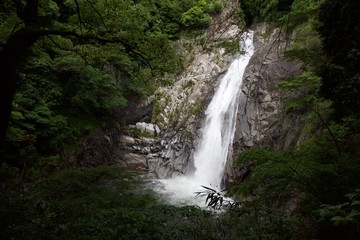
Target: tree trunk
[{"x": 12, "y": 55}]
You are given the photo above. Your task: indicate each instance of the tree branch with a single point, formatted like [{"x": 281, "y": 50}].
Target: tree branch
[
  {"x": 86, "y": 37},
  {"x": 14, "y": 28},
  {"x": 317, "y": 112},
  {"x": 98, "y": 13},
  {"x": 70, "y": 50},
  {"x": 78, "y": 14}
]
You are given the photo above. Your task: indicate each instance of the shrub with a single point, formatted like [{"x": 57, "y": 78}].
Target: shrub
[{"x": 195, "y": 17}]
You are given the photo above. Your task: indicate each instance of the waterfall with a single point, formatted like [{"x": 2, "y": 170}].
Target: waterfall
[{"x": 216, "y": 136}]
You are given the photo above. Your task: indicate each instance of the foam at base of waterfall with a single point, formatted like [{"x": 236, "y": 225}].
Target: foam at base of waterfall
[{"x": 180, "y": 191}]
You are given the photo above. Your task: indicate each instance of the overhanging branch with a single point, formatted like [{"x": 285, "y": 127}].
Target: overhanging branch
[{"x": 90, "y": 37}]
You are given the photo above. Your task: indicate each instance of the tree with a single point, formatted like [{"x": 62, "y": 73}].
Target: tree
[
  {"x": 339, "y": 29},
  {"x": 122, "y": 26},
  {"x": 264, "y": 9}
]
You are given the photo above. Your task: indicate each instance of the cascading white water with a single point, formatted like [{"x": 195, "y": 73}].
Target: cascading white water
[{"x": 216, "y": 138}]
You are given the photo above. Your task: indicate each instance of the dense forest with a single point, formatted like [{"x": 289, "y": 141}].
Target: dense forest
[{"x": 69, "y": 67}]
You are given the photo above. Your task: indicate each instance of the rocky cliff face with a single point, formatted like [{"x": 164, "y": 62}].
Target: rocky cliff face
[
  {"x": 261, "y": 119},
  {"x": 261, "y": 116},
  {"x": 179, "y": 109}
]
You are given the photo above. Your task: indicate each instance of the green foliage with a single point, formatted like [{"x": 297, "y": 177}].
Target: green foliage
[
  {"x": 69, "y": 85},
  {"x": 307, "y": 48},
  {"x": 199, "y": 15},
  {"x": 8, "y": 19},
  {"x": 301, "y": 12},
  {"x": 289, "y": 14},
  {"x": 249, "y": 219},
  {"x": 216, "y": 6},
  {"x": 108, "y": 203},
  {"x": 315, "y": 167},
  {"x": 264, "y": 10},
  {"x": 59, "y": 100},
  {"x": 307, "y": 82},
  {"x": 256, "y": 220},
  {"x": 344, "y": 213},
  {"x": 341, "y": 220},
  {"x": 101, "y": 55},
  {"x": 98, "y": 203},
  {"x": 230, "y": 46},
  {"x": 319, "y": 172},
  {"x": 33, "y": 107},
  {"x": 84, "y": 203},
  {"x": 302, "y": 90},
  {"x": 269, "y": 166},
  {"x": 196, "y": 17}
]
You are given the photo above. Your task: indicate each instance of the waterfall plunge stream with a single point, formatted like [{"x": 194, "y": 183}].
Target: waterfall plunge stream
[{"x": 216, "y": 137}]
